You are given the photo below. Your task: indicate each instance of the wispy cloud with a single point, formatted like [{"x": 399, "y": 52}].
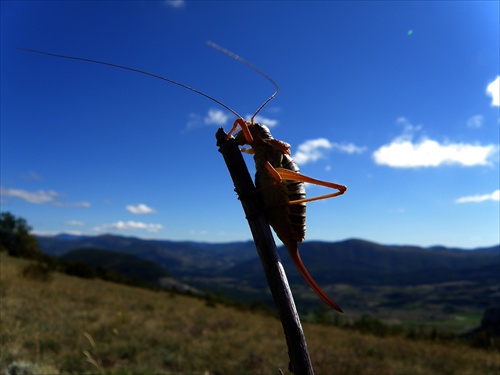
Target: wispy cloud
[
  {"x": 403, "y": 152},
  {"x": 55, "y": 233},
  {"x": 493, "y": 90},
  {"x": 32, "y": 176},
  {"x": 315, "y": 149},
  {"x": 213, "y": 117},
  {"x": 220, "y": 117},
  {"x": 37, "y": 197},
  {"x": 40, "y": 197},
  {"x": 475, "y": 121},
  {"x": 75, "y": 223},
  {"x": 263, "y": 120},
  {"x": 194, "y": 121},
  {"x": 140, "y": 209},
  {"x": 130, "y": 225},
  {"x": 200, "y": 232},
  {"x": 175, "y": 3},
  {"x": 348, "y": 148},
  {"x": 273, "y": 109},
  {"x": 495, "y": 196},
  {"x": 216, "y": 117}
]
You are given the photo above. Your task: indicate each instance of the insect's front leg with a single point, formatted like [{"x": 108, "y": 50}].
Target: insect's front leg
[
  {"x": 278, "y": 145},
  {"x": 275, "y": 176},
  {"x": 244, "y": 127},
  {"x": 250, "y": 151}
]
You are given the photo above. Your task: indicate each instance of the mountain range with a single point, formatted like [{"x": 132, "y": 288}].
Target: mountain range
[{"x": 359, "y": 274}]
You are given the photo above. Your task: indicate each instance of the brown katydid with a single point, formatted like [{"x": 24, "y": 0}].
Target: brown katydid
[{"x": 277, "y": 179}]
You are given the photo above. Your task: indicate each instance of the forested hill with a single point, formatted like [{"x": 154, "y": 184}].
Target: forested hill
[{"x": 352, "y": 261}]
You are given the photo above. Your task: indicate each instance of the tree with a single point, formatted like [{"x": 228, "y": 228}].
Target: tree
[{"x": 15, "y": 237}]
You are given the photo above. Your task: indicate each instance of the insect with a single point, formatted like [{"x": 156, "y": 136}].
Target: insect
[{"x": 277, "y": 179}]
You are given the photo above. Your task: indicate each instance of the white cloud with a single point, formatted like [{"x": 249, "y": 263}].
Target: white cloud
[
  {"x": 314, "y": 149},
  {"x": 263, "y": 120},
  {"x": 311, "y": 150},
  {"x": 495, "y": 196},
  {"x": 216, "y": 117},
  {"x": 40, "y": 197},
  {"x": 130, "y": 225},
  {"x": 403, "y": 152},
  {"x": 493, "y": 90},
  {"x": 175, "y": 3},
  {"x": 140, "y": 209},
  {"x": 475, "y": 121},
  {"x": 430, "y": 153}
]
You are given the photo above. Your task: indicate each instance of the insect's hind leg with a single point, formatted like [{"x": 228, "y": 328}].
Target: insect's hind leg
[
  {"x": 280, "y": 174},
  {"x": 286, "y": 174}
]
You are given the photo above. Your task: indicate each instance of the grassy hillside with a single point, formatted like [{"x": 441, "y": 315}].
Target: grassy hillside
[
  {"x": 72, "y": 325},
  {"x": 441, "y": 287}
]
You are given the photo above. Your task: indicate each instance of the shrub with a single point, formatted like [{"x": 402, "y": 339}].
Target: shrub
[{"x": 37, "y": 271}]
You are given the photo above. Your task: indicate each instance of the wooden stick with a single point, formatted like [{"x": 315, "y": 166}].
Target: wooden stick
[{"x": 300, "y": 362}]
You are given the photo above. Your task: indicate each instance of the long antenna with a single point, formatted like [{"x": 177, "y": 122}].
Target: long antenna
[
  {"x": 253, "y": 67},
  {"x": 138, "y": 71}
]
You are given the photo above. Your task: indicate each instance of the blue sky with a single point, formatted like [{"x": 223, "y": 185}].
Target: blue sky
[{"x": 399, "y": 101}]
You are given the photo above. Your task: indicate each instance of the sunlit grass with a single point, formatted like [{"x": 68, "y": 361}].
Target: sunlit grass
[
  {"x": 74, "y": 325},
  {"x": 457, "y": 322}
]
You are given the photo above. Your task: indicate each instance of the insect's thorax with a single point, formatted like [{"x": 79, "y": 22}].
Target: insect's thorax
[{"x": 265, "y": 147}]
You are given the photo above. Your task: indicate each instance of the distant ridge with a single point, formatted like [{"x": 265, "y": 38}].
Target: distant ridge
[
  {"x": 72, "y": 237},
  {"x": 353, "y": 261},
  {"x": 362, "y": 276}
]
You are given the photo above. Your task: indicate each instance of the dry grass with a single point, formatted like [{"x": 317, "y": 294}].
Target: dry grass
[{"x": 72, "y": 325}]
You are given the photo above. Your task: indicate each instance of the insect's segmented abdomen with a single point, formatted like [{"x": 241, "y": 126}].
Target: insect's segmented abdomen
[{"x": 296, "y": 212}]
